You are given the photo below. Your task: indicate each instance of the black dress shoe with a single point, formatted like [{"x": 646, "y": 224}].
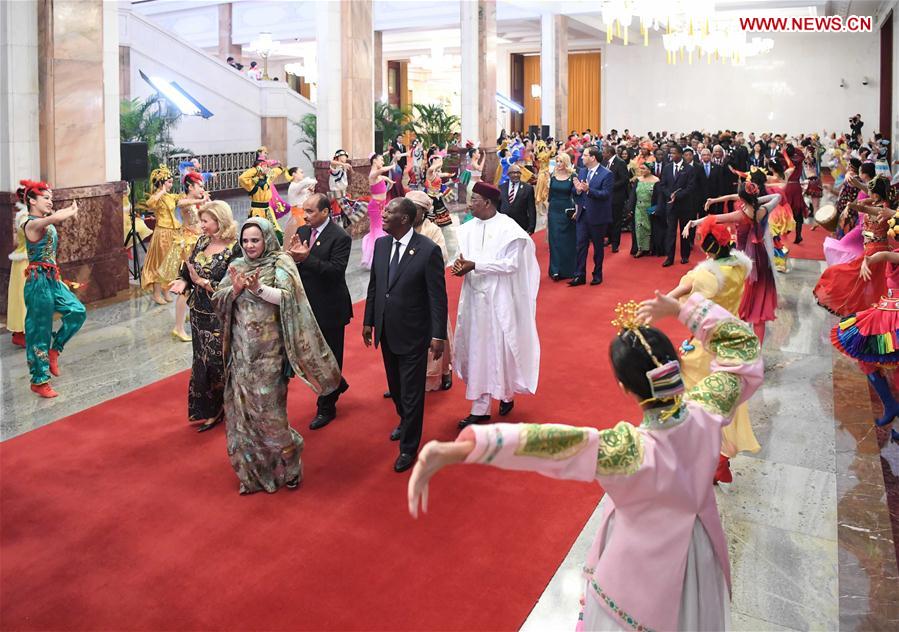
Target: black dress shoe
[
  {"x": 321, "y": 420},
  {"x": 577, "y": 281},
  {"x": 447, "y": 382},
  {"x": 667, "y": 263},
  {"x": 554, "y": 277},
  {"x": 506, "y": 407},
  {"x": 387, "y": 395},
  {"x": 798, "y": 240},
  {"x": 403, "y": 462},
  {"x": 596, "y": 282},
  {"x": 473, "y": 419},
  {"x": 210, "y": 426},
  {"x": 684, "y": 261},
  {"x": 343, "y": 388},
  {"x": 395, "y": 435},
  {"x": 614, "y": 249}
]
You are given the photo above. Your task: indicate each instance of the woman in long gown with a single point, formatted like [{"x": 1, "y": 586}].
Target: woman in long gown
[
  {"x": 720, "y": 278},
  {"x": 841, "y": 290},
  {"x": 378, "y": 184},
  {"x": 15, "y": 296},
  {"x": 759, "y": 300},
  {"x": 659, "y": 560},
  {"x": 199, "y": 277},
  {"x": 560, "y": 227},
  {"x": 162, "y": 202},
  {"x": 643, "y": 200},
  {"x": 269, "y": 333}
]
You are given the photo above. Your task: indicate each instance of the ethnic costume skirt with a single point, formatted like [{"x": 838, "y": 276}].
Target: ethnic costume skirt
[
  {"x": 850, "y": 247},
  {"x": 441, "y": 215},
  {"x": 178, "y": 254},
  {"x": 162, "y": 243},
  {"x": 841, "y": 291},
  {"x": 872, "y": 335},
  {"x": 444, "y": 366},
  {"x": 760, "y": 292},
  {"x": 375, "y": 230},
  {"x": 15, "y": 297}
]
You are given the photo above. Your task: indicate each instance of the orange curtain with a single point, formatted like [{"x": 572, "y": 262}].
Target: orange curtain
[
  {"x": 583, "y": 91},
  {"x": 531, "y": 105}
]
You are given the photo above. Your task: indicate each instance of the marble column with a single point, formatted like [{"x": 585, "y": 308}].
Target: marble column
[
  {"x": 61, "y": 76},
  {"x": 380, "y": 68},
  {"x": 478, "y": 21},
  {"x": 226, "y": 47},
  {"x": 554, "y": 74},
  {"x": 19, "y": 95},
  {"x": 345, "y": 99}
]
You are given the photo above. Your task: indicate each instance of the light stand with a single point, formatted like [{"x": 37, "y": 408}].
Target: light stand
[{"x": 134, "y": 238}]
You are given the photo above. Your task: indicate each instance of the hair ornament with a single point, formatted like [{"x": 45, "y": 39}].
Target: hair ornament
[
  {"x": 160, "y": 174},
  {"x": 665, "y": 381},
  {"x": 710, "y": 226},
  {"x": 751, "y": 188}
]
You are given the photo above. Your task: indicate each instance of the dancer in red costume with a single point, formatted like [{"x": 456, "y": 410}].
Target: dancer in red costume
[
  {"x": 841, "y": 289},
  {"x": 871, "y": 337},
  {"x": 753, "y": 238}
]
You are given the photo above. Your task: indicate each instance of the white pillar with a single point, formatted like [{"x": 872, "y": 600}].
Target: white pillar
[
  {"x": 328, "y": 106},
  {"x": 554, "y": 74},
  {"x": 478, "y": 19},
  {"x": 19, "y": 94}
]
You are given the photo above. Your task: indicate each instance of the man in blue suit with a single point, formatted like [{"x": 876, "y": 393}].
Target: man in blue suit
[{"x": 593, "y": 195}]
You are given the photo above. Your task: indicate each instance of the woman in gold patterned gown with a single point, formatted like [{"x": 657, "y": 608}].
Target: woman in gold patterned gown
[{"x": 268, "y": 334}]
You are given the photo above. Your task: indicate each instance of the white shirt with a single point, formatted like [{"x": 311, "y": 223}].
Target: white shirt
[{"x": 404, "y": 243}]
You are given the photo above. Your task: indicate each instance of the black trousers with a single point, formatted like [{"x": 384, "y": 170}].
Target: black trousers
[
  {"x": 327, "y": 404},
  {"x": 587, "y": 234},
  {"x": 677, "y": 220},
  {"x": 615, "y": 226},
  {"x": 406, "y": 375}
]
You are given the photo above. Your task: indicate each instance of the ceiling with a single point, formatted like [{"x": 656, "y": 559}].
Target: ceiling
[{"x": 411, "y": 27}]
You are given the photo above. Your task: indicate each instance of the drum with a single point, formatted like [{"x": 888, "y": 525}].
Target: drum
[{"x": 826, "y": 217}]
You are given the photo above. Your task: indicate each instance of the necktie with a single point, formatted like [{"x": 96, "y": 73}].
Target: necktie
[
  {"x": 707, "y": 169},
  {"x": 394, "y": 263},
  {"x": 312, "y": 237},
  {"x": 676, "y": 169},
  {"x": 511, "y": 193}
]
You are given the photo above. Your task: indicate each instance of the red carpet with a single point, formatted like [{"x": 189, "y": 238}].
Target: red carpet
[
  {"x": 121, "y": 517},
  {"x": 812, "y": 246}
]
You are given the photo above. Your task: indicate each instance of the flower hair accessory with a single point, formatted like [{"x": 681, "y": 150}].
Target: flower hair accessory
[
  {"x": 36, "y": 186},
  {"x": 751, "y": 188},
  {"x": 710, "y": 226},
  {"x": 665, "y": 381}
]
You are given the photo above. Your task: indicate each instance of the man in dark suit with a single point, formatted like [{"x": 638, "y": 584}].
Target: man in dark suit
[
  {"x": 621, "y": 176},
  {"x": 518, "y": 201},
  {"x": 405, "y": 313},
  {"x": 677, "y": 183},
  {"x": 708, "y": 175},
  {"x": 593, "y": 195},
  {"x": 321, "y": 250}
]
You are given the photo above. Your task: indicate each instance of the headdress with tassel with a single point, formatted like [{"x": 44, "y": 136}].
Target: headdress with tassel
[{"x": 665, "y": 381}]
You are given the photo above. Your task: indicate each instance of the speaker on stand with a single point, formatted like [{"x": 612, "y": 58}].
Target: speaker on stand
[{"x": 135, "y": 166}]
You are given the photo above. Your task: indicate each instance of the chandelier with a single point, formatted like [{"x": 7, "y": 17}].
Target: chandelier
[{"x": 690, "y": 26}]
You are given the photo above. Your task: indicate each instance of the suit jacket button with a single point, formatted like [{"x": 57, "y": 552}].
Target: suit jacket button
[{"x": 387, "y": 295}]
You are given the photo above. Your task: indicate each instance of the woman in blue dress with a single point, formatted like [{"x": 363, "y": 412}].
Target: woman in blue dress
[{"x": 561, "y": 228}]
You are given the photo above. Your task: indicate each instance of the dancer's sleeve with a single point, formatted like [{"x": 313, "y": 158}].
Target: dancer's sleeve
[
  {"x": 736, "y": 368},
  {"x": 559, "y": 451}
]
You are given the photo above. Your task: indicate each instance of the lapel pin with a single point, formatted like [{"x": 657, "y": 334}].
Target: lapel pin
[
  {"x": 318, "y": 243},
  {"x": 412, "y": 252}
]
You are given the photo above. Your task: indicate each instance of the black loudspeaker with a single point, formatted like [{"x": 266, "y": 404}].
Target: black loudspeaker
[
  {"x": 533, "y": 130},
  {"x": 544, "y": 132},
  {"x": 135, "y": 162},
  {"x": 379, "y": 140}
]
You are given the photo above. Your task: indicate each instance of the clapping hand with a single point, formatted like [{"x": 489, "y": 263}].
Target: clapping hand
[
  {"x": 178, "y": 286},
  {"x": 298, "y": 249},
  {"x": 238, "y": 280},
  {"x": 252, "y": 281},
  {"x": 461, "y": 266},
  {"x": 657, "y": 308}
]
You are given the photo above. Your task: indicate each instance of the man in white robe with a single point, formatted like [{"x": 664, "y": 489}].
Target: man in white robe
[{"x": 497, "y": 352}]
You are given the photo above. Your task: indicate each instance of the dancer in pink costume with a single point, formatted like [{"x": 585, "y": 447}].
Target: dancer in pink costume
[{"x": 378, "y": 184}]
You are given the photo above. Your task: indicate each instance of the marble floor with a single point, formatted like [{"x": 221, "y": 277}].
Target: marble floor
[{"x": 808, "y": 518}]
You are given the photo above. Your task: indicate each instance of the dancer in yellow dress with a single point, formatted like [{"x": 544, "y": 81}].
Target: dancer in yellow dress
[
  {"x": 195, "y": 196},
  {"x": 542, "y": 156},
  {"x": 15, "y": 297},
  {"x": 720, "y": 278},
  {"x": 258, "y": 181},
  {"x": 162, "y": 202}
]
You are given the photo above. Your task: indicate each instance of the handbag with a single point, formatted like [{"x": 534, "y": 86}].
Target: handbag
[
  {"x": 652, "y": 209},
  {"x": 570, "y": 212}
]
